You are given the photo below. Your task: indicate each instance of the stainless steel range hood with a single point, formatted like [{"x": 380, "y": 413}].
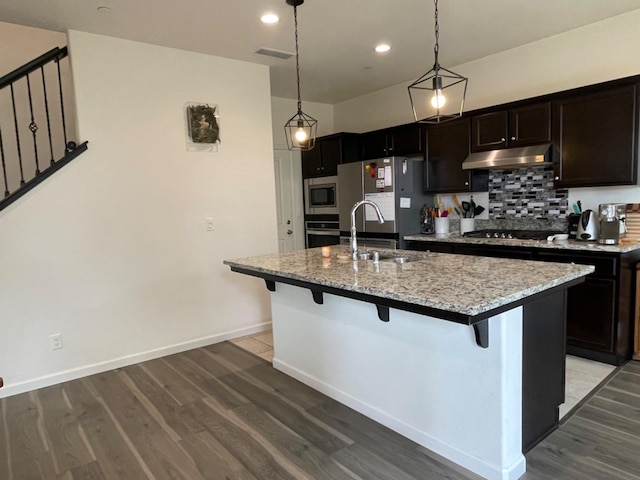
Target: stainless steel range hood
[{"x": 534, "y": 155}]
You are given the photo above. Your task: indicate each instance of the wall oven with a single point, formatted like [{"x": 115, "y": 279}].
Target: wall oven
[
  {"x": 322, "y": 233},
  {"x": 321, "y": 195}
]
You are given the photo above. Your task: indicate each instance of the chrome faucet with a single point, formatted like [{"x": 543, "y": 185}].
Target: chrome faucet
[{"x": 354, "y": 241}]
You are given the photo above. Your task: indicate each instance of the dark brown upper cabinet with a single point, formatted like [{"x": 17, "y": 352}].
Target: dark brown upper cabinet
[
  {"x": 405, "y": 140},
  {"x": 447, "y": 147},
  {"x": 328, "y": 153},
  {"x": 597, "y": 138},
  {"x": 516, "y": 127}
]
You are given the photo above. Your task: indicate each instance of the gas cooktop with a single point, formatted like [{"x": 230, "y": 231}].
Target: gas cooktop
[{"x": 511, "y": 234}]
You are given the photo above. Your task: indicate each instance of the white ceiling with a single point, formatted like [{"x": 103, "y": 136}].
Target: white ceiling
[{"x": 336, "y": 36}]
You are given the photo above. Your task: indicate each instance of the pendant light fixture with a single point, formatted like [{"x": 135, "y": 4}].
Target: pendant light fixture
[
  {"x": 301, "y": 129},
  {"x": 438, "y": 90}
]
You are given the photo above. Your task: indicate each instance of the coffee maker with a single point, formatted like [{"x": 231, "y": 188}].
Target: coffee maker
[{"x": 608, "y": 223}]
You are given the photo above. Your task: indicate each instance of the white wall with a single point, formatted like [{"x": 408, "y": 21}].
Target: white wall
[
  {"x": 282, "y": 109},
  {"x": 112, "y": 251},
  {"x": 595, "y": 53}
]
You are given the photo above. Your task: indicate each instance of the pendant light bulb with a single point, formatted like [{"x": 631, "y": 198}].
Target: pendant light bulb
[
  {"x": 438, "y": 100},
  {"x": 301, "y": 135}
]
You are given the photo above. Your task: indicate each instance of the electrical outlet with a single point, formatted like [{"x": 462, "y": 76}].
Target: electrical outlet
[
  {"x": 56, "y": 341},
  {"x": 209, "y": 224}
]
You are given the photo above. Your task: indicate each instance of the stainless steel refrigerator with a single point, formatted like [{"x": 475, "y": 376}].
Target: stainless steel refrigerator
[{"x": 395, "y": 184}]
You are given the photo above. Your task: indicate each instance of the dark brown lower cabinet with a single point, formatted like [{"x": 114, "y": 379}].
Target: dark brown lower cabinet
[
  {"x": 591, "y": 321},
  {"x": 600, "y": 311}
]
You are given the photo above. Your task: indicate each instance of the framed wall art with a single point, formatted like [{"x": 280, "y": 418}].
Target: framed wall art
[{"x": 203, "y": 127}]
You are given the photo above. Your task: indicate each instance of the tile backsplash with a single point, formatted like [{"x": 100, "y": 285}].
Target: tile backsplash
[{"x": 526, "y": 193}]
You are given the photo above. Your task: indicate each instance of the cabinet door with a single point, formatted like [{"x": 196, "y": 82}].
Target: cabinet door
[
  {"x": 331, "y": 156},
  {"x": 312, "y": 161},
  {"x": 530, "y": 125},
  {"x": 447, "y": 148},
  {"x": 489, "y": 131},
  {"x": 591, "y": 314},
  {"x": 597, "y": 138},
  {"x": 405, "y": 140},
  {"x": 373, "y": 145}
]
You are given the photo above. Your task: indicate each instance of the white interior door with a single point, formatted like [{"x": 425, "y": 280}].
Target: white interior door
[{"x": 289, "y": 204}]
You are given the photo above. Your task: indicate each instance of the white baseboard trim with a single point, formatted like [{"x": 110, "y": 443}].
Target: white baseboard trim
[
  {"x": 86, "y": 370},
  {"x": 470, "y": 462}
]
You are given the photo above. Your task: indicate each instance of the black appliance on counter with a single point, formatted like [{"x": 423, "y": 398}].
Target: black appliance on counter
[
  {"x": 321, "y": 233},
  {"x": 512, "y": 234}
]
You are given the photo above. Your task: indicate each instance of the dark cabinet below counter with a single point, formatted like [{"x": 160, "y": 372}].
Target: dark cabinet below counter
[{"x": 600, "y": 311}]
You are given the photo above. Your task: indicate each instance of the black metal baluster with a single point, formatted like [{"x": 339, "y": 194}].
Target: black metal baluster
[
  {"x": 33, "y": 126},
  {"x": 4, "y": 166},
  {"x": 15, "y": 123},
  {"x": 64, "y": 124},
  {"x": 46, "y": 109}
]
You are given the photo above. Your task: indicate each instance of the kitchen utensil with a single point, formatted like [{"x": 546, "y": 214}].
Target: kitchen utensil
[
  {"x": 478, "y": 210},
  {"x": 466, "y": 208},
  {"x": 587, "y": 226},
  {"x": 472, "y": 207}
]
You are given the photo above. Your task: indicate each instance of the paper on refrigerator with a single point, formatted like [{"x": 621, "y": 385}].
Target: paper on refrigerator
[{"x": 386, "y": 203}]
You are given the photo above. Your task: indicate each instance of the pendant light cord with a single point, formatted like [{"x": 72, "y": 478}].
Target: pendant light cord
[
  {"x": 295, "y": 19},
  {"x": 436, "y": 47}
]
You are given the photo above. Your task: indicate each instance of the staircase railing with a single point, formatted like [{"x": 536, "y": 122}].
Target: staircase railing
[{"x": 32, "y": 100}]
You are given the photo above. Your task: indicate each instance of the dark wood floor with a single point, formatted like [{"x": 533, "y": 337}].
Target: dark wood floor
[{"x": 222, "y": 413}]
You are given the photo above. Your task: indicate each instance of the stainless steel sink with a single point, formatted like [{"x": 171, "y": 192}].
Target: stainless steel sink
[
  {"x": 395, "y": 259},
  {"x": 384, "y": 258}
]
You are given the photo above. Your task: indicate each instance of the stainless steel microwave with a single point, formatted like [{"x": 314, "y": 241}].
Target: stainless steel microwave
[{"x": 321, "y": 195}]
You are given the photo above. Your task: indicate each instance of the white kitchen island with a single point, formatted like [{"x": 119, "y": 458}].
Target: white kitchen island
[{"x": 464, "y": 355}]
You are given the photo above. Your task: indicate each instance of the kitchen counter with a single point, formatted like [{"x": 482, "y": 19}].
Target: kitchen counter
[
  {"x": 479, "y": 396},
  {"x": 627, "y": 244},
  {"x": 469, "y": 286}
]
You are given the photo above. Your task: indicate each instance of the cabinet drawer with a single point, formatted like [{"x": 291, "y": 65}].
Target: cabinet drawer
[{"x": 605, "y": 266}]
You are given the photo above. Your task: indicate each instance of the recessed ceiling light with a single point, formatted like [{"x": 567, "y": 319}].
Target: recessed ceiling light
[
  {"x": 104, "y": 10},
  {"x": 269, "y": 18},
  {"x": 382, "y": 48}
]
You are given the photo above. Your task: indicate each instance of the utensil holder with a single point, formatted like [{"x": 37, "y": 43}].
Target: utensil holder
[
  {"x": 467, "y": 225},
  {"x": 442, "y": 225}
]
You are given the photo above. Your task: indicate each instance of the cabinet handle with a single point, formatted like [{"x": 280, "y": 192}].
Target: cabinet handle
[
  {"x": 556, "y": 178},
  {"x": 289, "y": 232},
  {"x": 503, "y": 139},
  {"x": 466, "y": 184},
  {"x": 513, "y": 138}
]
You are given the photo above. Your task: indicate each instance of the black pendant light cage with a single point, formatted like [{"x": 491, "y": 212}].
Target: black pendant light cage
[
  {"x": 436, "y": 91},
  {"x": 300, "y": 129}
]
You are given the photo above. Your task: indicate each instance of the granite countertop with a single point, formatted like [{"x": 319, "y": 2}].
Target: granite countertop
[
  {"x": 463, "y": 284},
  {"x": 626, "y": 244}
]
